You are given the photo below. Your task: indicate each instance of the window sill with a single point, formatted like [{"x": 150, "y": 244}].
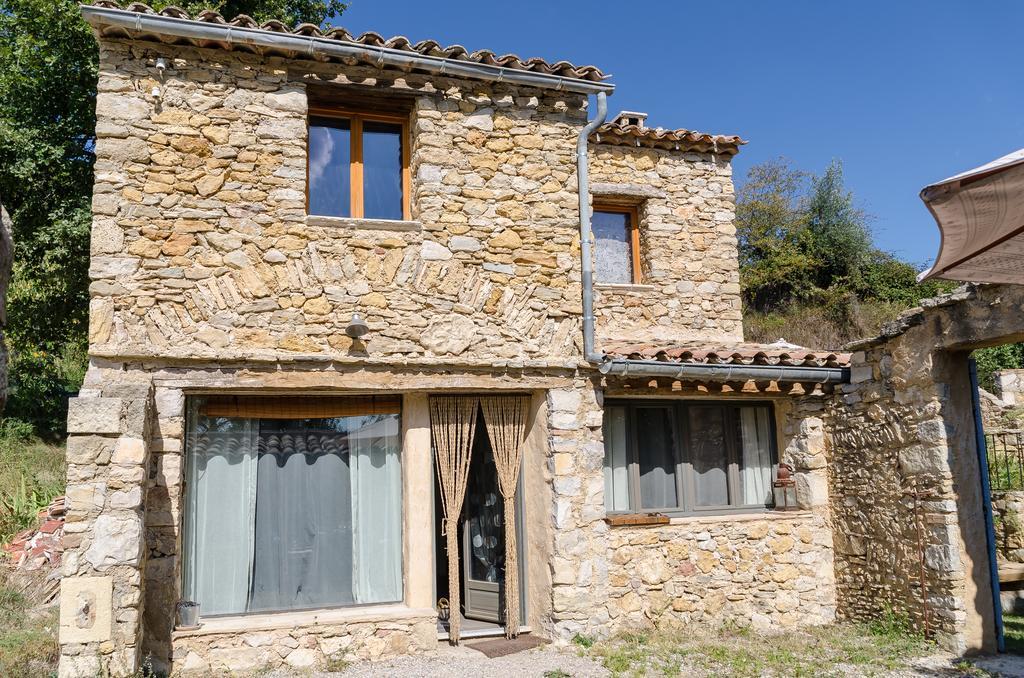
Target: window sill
[
  {"x": 624, "y": 287},
  {"x": 661, "y": 519},
  {"x": 286, "y": 620},
  {"x": 363, "y": 224},
  {"x": 636, "y": 519}
]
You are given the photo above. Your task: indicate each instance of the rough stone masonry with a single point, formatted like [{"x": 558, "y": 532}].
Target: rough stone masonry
[{"x": 208, "y": 276}]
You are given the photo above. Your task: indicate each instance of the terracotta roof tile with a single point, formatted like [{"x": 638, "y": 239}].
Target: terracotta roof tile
[
  {"x": 398, "y": 42},
  {"x": 679, "y": 139},
  {"x": 780, "y": 354}
]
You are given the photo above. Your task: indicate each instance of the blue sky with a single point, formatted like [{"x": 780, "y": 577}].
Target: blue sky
[{"x": 903, "y": 92}]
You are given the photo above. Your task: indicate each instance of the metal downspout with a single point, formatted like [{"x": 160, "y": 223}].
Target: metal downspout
[
  {"x": 986, "y": 506},
  {"x": 583, "y": 181}
]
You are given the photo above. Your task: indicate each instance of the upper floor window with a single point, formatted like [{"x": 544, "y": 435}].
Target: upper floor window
[
  {"x": 687, "y": 457},
  {"x": 617, "y": 244},
  {"x": 358, "y": 165}
]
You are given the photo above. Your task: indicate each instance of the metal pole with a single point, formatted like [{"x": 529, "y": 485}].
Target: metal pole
[{"x": 986, "y": 505}]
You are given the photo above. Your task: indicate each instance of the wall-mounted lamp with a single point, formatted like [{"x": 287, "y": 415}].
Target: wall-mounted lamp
[{"x": 356, "y": 327}]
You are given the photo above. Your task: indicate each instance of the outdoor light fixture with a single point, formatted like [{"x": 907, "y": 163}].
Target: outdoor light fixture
[
  {"x": 784, "y": 489},
  {"x": 356, "y": 327}
]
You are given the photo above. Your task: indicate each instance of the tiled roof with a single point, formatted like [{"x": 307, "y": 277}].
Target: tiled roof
[
  {"x": 680, "y": 139},
  {"x": 779, "y": 354},
  {"x": 430, "y": 48}
]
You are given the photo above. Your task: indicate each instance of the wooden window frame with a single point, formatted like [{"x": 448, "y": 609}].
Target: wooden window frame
[
  {"x": 685, "y": 478},
  {"x": 634, "y": 234},
  {"x": 356, "y": 119}
]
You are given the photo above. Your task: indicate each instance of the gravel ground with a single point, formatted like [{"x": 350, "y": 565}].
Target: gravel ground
[{"x": 464, "y": 662}]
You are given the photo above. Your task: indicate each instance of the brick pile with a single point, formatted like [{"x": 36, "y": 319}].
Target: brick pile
[{"x": 40, "y": 547}]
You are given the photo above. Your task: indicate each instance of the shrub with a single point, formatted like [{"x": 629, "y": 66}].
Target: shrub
[{"x": 31, "y": 475}]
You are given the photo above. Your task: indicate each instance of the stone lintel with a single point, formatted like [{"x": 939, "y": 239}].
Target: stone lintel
[{"x": 606, "y": 189}]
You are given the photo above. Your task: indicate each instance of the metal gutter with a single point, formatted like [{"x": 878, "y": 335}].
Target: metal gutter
[
  {"x": 587, "y": 267},
  {"x": 725, "y": 373},
  {"x": 312, "y": 45}
]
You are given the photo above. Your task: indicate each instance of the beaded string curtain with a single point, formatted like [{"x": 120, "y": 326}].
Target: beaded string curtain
[
  {"x": 452, "y": 427},
  {"x": 505, "y": 418}
]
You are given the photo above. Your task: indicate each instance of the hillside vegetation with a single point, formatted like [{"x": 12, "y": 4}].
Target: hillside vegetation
[{"x": 809, "y": 268}]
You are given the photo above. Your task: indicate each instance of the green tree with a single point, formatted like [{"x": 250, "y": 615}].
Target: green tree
[
  {"x": 837, "y": 238},
  {"x": 809, "y": 269},
  {"x": 770, "y": 225},
  {"x": 289, "y": 11},
  {"x": 48, "y": 61}
]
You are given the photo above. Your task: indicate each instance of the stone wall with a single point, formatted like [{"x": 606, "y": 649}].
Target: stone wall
[
  {"x": 1008, "y": 516},
  {"x": 202, "y": 248},
  {"x": 769, "y": 569},
  {"x": 769, "y": 572},
  {"x": 905, "y": 480},
  {"x": 690, "y": 287},
  {"x": 105, "y": 558},
  {"x": 303, "y": 646}
]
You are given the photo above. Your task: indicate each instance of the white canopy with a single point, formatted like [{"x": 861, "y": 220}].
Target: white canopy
[{"x": 980, "y": 214}]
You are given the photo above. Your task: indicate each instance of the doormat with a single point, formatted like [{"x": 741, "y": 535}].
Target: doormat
[{"x": 499, "y": 647}]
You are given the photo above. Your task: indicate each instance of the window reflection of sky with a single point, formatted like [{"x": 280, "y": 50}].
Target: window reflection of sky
[{"x": 329, "y": 167}]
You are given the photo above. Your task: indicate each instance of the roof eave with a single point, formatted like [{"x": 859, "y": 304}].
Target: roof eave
[{"x": 159, "y": 24}]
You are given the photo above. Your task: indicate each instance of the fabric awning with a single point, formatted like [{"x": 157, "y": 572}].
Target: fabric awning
[{"x": 980, "y": 214}]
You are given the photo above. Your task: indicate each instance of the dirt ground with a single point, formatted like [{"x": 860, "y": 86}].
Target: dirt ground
[{"x": 570, "y": 661}]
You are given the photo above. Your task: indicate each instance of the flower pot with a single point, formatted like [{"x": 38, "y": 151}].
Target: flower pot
[{"x": 188, "y": 614}]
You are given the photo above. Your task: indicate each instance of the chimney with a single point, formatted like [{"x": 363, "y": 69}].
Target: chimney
[{"x": 630, "y": 118}]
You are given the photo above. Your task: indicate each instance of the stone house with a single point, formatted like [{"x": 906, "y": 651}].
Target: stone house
[{"x": 358, "y": 385}]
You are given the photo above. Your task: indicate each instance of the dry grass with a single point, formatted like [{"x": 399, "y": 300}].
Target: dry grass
[
  {"x": 28, "y": 630},
  {"x": 815, "y": 326},
  {"x": 839, "y": 649}
]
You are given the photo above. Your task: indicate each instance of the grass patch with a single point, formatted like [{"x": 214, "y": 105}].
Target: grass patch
[
  {"x": 740, "y": 651},
  {"x": 1013, "y": 633},
  {"x": 31, "y": 475},
  {"x": 28, "y": 635}
]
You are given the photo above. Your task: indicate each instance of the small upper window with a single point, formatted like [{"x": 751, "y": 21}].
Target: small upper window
[
  {"x": 358, "y": 166},
  {"x": 617, "y": 244}
]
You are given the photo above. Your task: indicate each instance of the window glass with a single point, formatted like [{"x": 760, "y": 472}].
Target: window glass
[
  {"x": 329, "y": 167},
  {"x": 382, "y": 170},
  {"x": 756, "y": 461},
  {"x": 616, "y": 479},
  {"x": 656, "y": 456},
  {"x": 613, "y": 242},
  {"x": 708, "y": 455},
  {"x": 725, "y": 456},
  {"x": 289, "y": 512}
]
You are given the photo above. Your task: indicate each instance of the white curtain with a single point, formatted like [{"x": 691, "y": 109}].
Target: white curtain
[
  {"x": 220, "y": 517},
  {"x": 293, "y": 513},
  {"x": 376, "y": 478},
  {"x": 303, "y": 521},
  {"x": 616, "y": 476},
  {"x": 756, "y": 472}
]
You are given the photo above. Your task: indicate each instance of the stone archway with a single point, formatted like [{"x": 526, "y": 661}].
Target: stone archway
[{"x": 904, "y": 474}]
